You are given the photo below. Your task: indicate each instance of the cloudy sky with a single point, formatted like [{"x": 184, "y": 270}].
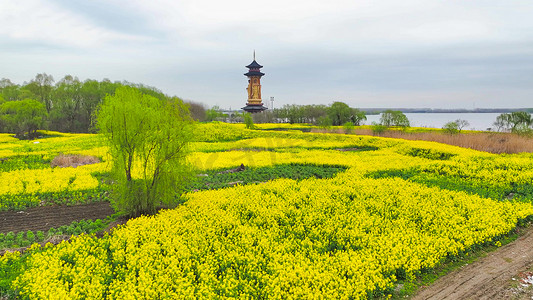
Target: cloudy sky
[{"x": 383, "y": 53}]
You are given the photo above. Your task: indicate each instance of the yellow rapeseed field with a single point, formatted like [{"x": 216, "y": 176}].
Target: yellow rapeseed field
[{"x": 352, "y": 236}]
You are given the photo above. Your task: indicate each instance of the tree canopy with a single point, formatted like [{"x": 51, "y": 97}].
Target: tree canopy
[
  {"x": 339, "y": 113},
  {"x": 336, "y": 114},
  {"x": 394, "y": 118},
  {"x": 516, "y": 122},
  {"x": 69, "y": 102},
  {"x": 148, "y": 139},
  {"x": 23, "y": 117}
]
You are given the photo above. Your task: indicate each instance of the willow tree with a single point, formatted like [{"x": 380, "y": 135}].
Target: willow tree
[
  {"x": 394, "y": 118},
  {"x": 148, "y": 140}
]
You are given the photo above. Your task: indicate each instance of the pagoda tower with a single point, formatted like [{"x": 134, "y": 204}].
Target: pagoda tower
[{"x": 254, "y": 104}]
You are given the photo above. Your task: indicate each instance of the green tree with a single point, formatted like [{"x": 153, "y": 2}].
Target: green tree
[
  {"x": 1, "y": 121},
  {"x": 451, "y": 127},
  {"x": 9, "y": 90},
  {"x": 516, "y": 122},
  {"x": 23, "y": 117},
  {"x": 455, "y": 126},
  {"x": 248, "y": 120},
  {"x": 67, "y": 101},
  {"x": 357, "y": 116},
  {"x": 148, "y": 140},
  {"x": 213, "y": 114},
  {"x": 324, "y": 122},
  {"x": 92, "y": 95},
  {"x": 312, "y": 113},
  {"x": 292, "y": 113},
  {"x": 41, "y": 86},
  {"x": 339, "y": 113},
  {"x": 394, "y": 118}
]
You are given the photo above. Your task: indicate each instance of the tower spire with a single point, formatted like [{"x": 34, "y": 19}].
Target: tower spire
[{"x": 254, "y": 54}]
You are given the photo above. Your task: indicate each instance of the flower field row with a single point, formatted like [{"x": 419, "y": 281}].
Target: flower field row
[
  {"x": 398, "y": 209},
  {"x": 26, "y": 170},
  {"x": 345, "y": 237}
]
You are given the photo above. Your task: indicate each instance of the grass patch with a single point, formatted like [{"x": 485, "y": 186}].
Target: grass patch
[
  {"x": 217, "y": 179},
  {"x": 477, "y": 186},
  {"x": 24, "y": 162},
  {"x": 429, "y": 154}
]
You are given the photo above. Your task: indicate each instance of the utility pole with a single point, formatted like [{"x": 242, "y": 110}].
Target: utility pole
[{"x": 272, "y": 103}]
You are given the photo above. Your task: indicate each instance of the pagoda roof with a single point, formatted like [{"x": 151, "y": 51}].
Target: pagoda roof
[
  {"x": 254, "y": 108},
  {"x": 254, "y": 65},
  {"x": 254, "y": 73}
]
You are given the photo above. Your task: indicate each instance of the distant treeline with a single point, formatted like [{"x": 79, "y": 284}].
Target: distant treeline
[
  {"x": 370, "y": 111},
  {"x": 68, "y": 104},
  {"x": 338, "y": 113}
]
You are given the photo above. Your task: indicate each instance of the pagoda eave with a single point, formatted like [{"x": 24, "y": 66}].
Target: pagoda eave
[
  {"x": 254, "y": 65},
  {"x": 254, "y": 73},
  {"x": 254, "y": 108}
]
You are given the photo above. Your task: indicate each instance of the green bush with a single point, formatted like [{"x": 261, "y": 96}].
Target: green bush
[
  {"x": 451, "y": 128},
  {"x": 222, "y": 178},
  {"x": 377, "y": 128},
  {"x": 429, "y": 153},
  {"x": 249, "y": 121},
  {"x": 348, "y": 127},
  {"x": 324, "y": 122}
]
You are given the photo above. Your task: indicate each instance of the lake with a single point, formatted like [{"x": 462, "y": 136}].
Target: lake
[{"x": 478, "y": 121}]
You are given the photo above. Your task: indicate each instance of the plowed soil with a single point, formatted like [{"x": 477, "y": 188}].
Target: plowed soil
[
  {"x": 45, "y": 217},
  {"x": 490, "y": 277}
]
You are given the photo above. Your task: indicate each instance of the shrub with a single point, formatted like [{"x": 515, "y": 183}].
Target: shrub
[
  {"x": 249, "y": 121},
  {"x": 451, "y": 128},
  {"x": 324, "y": 122},
  {"x": 377, "y": 129},
  {"x": 348, "y": 127}
]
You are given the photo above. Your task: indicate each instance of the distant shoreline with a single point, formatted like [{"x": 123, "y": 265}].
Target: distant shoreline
[{"x": 438, "y": 110}]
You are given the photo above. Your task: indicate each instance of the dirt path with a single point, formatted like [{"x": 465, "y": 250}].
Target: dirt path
[
  {"x": 46, "y": 217},
  {"x": 488, "y": 278}
]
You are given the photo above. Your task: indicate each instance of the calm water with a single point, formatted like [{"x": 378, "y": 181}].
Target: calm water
[{"x": 478, "y": 121}]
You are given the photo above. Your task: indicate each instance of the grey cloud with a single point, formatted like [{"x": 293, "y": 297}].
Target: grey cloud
[{"x": 114, "y": 17}]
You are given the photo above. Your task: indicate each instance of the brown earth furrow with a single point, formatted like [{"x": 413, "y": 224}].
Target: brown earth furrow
[
  {"x": 45, "y": 217},
  {"x": 488, "y": 277}
]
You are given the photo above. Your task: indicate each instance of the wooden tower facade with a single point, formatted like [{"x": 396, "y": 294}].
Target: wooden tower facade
[{"x": 254, "y": 104}]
